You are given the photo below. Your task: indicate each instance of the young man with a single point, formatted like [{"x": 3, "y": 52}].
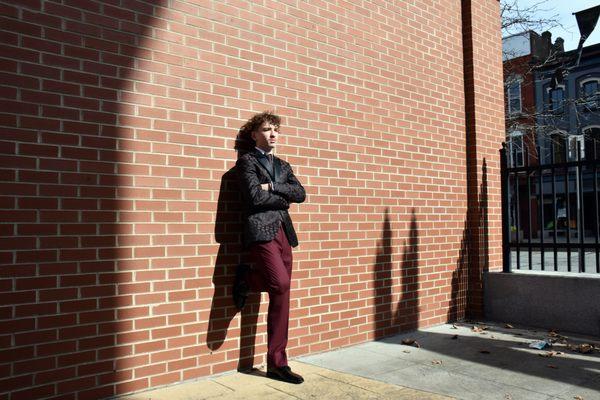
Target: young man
[{"x": 268, "y": 186}]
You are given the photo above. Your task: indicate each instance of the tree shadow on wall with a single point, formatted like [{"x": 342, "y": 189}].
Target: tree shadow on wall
[
  {"x": 473, "y": 261},
  {"x": 405, "y": 317},
  {"x": 228, "y": 233}
]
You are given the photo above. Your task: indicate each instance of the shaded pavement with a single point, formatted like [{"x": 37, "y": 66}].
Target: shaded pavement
[
  {"x": 488, "y": 362},
  {"x": 462, "y": 361}
]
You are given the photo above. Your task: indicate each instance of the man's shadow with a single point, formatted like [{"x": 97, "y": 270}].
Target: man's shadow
[{"x": 228, "y": 233}]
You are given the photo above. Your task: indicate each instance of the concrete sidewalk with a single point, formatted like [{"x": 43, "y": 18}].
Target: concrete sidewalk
[
  {"x": 320, "y": 383},
  {"x": 476, "y": 361},
  {"x": 462, "y": 361}
]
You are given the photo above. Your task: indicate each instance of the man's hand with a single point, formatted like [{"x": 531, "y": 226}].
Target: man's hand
[{"x": 265, "y": 186}]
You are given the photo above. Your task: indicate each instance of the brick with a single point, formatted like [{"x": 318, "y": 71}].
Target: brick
[
  {"x": 18, "y": 382},
  {"x": 33, "y": 393}
]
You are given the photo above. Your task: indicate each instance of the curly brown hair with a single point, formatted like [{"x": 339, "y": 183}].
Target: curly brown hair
[{"x": 244, "y": 141}]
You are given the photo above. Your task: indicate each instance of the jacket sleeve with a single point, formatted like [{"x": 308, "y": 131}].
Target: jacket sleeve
[
  {"x": 292, "y": 190},
  {"x": 257, "y": 198}
]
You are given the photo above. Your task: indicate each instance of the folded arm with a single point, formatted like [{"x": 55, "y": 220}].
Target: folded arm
[
  {"x": 292, "y": 190},
  {"x": 257, "y": 198}
]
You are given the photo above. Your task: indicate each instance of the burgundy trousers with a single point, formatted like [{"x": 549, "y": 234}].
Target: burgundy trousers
[{"x": 272, "y": 273}]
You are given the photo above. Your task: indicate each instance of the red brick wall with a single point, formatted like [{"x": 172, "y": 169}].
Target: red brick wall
[
  {"x": 119, "y": 217},
  {"x": 485, "y": 131}
]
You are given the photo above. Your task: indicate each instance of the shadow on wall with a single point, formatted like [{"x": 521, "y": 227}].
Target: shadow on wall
[
  {"x": 89, "y": 284},
  {"x": 473, "y": 261},
  {"x": 467, "y": 279},
  {"x": 406, "y": 315},
  {"x": 228, "y": 231}
]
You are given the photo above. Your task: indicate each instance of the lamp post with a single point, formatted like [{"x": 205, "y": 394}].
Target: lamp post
[{"x": 586, "y": 21}]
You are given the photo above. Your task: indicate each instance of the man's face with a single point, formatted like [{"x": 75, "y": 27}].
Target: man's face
[{"x": 266, "y": 136}]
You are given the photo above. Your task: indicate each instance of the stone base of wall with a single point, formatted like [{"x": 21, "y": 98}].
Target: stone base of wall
[{"x": 552, "y": 301}]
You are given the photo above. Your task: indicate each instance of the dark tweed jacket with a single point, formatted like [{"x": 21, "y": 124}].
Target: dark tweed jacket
[{"x": 265, "y": 211}]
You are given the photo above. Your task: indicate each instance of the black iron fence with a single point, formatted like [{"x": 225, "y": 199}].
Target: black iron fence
[{"x": 550, "y": 211}]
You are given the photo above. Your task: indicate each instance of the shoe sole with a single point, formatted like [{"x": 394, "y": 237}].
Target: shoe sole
[{"x": 279, "y": 378}]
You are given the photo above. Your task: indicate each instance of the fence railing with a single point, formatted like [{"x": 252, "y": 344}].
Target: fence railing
[{"x": 550, "y": 212}]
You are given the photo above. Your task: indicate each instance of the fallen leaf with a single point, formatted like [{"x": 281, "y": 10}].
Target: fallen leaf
[
  {"x": 406, "y": 351},
  {"x": 555, "y": 334},
  {"x": 411, "y": 342},
  {"x": 437, "y": 362},
  {"x": 507, "y": 396},
  {"x": 509, "y": 326},
  {"x": 586, "y": 348},
  {"x": 453, "y": 326},
  {"x": 548, "y": 354},
  {"x": 454, "y": 337},
  {"x": 582, "y": 348},
  {"x": 578, "y": 398},
  {"x": 552, "y": 366},
  {"x": 476, "y": 329},
  {"x": 484, "y": 352}
]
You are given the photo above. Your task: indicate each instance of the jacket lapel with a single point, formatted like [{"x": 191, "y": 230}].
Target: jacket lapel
[
  {"x": 262, "y": 160},
  {"x": 276, "y": 169}
]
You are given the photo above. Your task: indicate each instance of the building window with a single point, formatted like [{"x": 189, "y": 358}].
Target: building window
[
  {"x": 556, "y": 147},
  {"x": 592, "y": 143},
  {"x": 576, "y": 146},
  {"x": 589, "y": 94},
  {"x": 516, "y": 150},
  {"x": 514, "y": 96},
  {"x": 556, "y": 97}
]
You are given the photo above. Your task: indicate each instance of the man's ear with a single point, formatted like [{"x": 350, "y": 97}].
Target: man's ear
[{"x": 253, "y": 136}]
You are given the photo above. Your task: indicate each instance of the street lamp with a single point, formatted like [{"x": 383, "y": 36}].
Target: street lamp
[{"x": 586, "y": 22}]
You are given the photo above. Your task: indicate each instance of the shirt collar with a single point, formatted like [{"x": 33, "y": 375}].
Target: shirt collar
[{"x": 261, "y": 151}]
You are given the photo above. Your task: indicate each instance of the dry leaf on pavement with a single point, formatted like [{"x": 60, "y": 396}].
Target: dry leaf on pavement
[
  {"x": 411, "y": 342},
  {"x": 586, "y": 348},
  {"x": 509, "y": 326}
]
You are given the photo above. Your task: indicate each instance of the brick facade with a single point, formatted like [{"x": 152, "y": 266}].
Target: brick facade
[{"x": 119, "y": 216}]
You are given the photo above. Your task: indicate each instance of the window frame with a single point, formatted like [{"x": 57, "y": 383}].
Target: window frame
[
  {"x": 589, "y": 143},
  {"x": 519, "y": 151},
  {"x": 511, "y": 82},
  {"x": 594, "y": 102},
  {"x": 550, "y": 102}
]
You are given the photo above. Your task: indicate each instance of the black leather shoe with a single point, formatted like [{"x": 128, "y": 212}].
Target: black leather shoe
[
  {"x": 284, "y": 374},
  {"x": 240, "y": 286}
]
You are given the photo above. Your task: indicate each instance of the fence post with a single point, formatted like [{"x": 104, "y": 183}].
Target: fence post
[{"x": 505, "y": 220}]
